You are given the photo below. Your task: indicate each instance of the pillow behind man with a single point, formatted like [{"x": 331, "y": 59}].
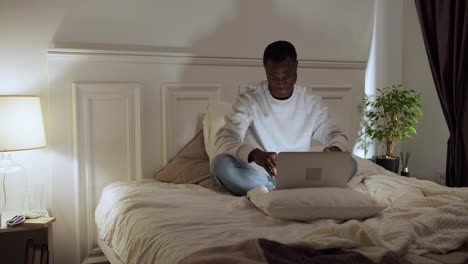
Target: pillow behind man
[
  {"x": 189, "y": 166},
  {"x": 213, "y": 120}
]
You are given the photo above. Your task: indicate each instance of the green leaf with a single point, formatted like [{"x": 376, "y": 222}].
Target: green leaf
[{"x": 391, "y": 113}]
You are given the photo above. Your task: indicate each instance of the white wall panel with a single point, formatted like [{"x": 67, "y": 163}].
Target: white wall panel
[
  {"x": 107, "y": 145},
  {"x": 173, "y": 90},
  {"x": 183, "y": 108},
  {"x": 339, "y": 102}
]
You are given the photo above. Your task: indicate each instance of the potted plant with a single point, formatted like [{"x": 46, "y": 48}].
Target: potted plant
[{"x": 389, "y": 117}]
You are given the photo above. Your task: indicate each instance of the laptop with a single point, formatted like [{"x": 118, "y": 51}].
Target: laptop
[{"x": 312, "y": 169}]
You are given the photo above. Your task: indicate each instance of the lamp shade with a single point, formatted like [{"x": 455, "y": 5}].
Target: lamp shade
[{"x": 21, "y": 125}]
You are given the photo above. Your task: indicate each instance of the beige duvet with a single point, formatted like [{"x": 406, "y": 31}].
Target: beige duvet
[{"x": 153, "y": 222}]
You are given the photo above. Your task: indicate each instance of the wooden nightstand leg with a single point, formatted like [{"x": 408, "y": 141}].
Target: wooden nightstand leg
[
  {"x": 44, "y": 254},
  {"x": 29, "y": 256}
]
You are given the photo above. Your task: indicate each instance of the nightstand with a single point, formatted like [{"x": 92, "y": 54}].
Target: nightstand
[{"x": 19, "y": 242}]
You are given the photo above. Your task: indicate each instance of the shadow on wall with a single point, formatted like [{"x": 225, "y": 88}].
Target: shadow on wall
[
  {"x": 249, "y": 31},
  {"x": 226, "y": 28}
]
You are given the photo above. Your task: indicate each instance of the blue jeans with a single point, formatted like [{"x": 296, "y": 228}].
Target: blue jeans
[
  {"x": 239, "y": 177},
  {"x": 236, "y": 176}
]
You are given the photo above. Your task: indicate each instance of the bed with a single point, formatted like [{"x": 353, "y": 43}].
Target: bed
[
  {"x": 155, "y": 222},
  {"x": 191, "y": 220},
  {"x": 117, "y": 117}
]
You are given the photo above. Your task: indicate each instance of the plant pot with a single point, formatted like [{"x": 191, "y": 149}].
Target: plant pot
[{"x": 392, "y": 164}]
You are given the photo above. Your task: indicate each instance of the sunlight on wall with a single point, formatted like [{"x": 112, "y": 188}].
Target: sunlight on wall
[
  {"x": 385, "y": 61},
  {"x": 363, "y": 147}
]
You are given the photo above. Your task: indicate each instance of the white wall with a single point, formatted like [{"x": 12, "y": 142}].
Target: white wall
[
  {"x": 429, "y": 147},
  {"x": 384, "y": 66},
  {"x": 26, "y": 28},
  {"x": 320, "y": 29}
]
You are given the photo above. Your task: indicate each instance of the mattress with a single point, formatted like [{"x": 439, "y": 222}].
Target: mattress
[{"x": 154, "y": 222}]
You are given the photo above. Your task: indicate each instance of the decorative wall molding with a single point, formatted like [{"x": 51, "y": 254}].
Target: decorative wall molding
[
  {"x": 170, "y": 119},
  {"x": 339, "y": 98},
  {"x": 107, "y": 132},
  {"x": 185, "y": 58},
  {"x": 182, "y": 107},
  {"x": 331, "y": 91}
]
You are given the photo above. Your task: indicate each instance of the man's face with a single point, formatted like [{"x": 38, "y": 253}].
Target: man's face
[{"x": 281, "y": 77}]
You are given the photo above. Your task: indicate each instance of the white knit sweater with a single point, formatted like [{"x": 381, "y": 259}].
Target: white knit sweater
[{"x": 258, "y": 120}]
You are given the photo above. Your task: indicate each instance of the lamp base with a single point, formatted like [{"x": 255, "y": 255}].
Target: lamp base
[{"x": 12, "y": 184}]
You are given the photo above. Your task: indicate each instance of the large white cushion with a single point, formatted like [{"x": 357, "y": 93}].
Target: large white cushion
[
  {"x": 314, "y": 203},
  {"x": 213, "y": 120}
]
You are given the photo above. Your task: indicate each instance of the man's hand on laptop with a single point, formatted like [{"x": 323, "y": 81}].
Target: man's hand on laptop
[
  {"x": 268, "y": 160},
  {"x": 332, "y": 148}
]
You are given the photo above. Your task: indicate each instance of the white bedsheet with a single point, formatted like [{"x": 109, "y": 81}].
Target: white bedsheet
[
  {"x": 153, "y": 222},
  {"x": 422, "y": 217}
]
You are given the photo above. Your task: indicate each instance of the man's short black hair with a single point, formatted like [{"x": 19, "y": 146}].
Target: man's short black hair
[{"x": 278, "y": 51}]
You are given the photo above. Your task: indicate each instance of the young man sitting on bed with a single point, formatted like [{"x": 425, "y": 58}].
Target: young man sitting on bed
[{"x": 275, "y": 116}]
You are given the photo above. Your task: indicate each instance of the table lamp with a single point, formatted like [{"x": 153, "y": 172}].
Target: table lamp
[{"x": 21, "y": 128}]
